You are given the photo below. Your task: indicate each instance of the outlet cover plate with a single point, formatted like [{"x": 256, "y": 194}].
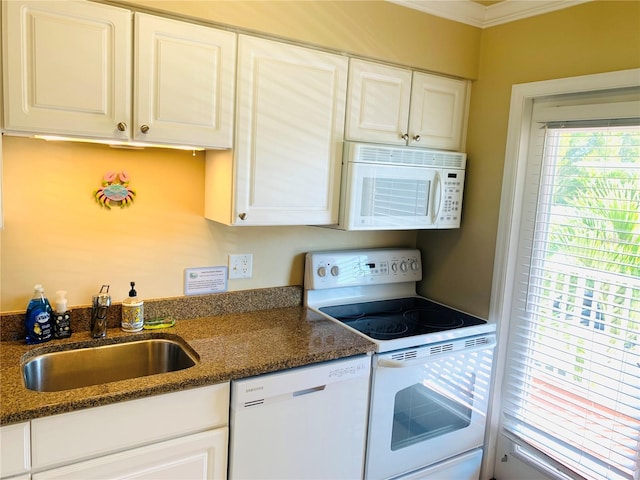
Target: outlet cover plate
[{"x": 241, "y": 265}]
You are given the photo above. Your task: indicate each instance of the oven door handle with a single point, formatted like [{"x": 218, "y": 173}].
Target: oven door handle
[{"x": 389, "y": 363}]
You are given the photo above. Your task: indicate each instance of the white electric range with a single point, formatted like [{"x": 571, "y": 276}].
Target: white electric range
[{"x": 432, "y": 370}]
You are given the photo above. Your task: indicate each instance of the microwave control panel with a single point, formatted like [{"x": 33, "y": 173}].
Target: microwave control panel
[
  {"x": 350, "y": 268},
  {"x": 451, "y": 200}
]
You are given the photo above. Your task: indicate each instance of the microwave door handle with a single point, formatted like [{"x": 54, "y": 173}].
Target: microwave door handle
[{"x": 436, "y": 196}]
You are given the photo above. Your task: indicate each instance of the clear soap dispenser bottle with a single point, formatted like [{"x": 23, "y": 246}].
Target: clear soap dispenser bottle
[
  {"x": 132, "y": 312},
  {"x": 61, "y": 316}
]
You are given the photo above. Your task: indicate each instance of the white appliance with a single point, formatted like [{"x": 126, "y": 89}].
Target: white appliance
[
  {"x": 400, "y": 188},
  {"x": 304, "y": 423},
  {"x": 431, "y": 375}
]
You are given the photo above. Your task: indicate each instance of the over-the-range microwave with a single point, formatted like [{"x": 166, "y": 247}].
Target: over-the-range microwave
[{"x": 400, "y": 188}]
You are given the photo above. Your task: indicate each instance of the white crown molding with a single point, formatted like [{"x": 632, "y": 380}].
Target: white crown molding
[{"x": 472, "y": 13}]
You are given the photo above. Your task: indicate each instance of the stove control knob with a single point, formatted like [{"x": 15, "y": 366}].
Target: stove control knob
[
  {"x": 322, "y": 272},
  {"x": 414, "y": 266},
  {"x": 394, "y": 267},
  {"x": 403, "y": 266},
  {"x": 335, "y": 271}
]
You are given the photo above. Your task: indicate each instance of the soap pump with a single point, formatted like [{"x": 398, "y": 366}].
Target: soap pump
[
  {"x": 61, "y": 316},
  {"x": 132, "y": 311}
]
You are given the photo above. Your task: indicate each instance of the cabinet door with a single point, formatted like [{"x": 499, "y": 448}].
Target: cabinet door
[
  {"x": 67, "y": 68},
  {"x": 377, "y": 103},
  {"x": 184, "y": 83},
  {"x": 15, "y": 454},
  {"x": 81, "y": 434},
  {"x": 289, "y": 134},
  {"x": 438, "y": 112},
  {"x": 200, "y": 456}
]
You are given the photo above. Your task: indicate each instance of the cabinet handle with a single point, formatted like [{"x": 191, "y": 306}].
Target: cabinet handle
[
  {"x": 416, "y": 138},
  {"x": 242, "y": 216},
  {"x": 144, "y": 128},
  {"x": 405, "y": 136},
  {"x": 122, "y": 127}
]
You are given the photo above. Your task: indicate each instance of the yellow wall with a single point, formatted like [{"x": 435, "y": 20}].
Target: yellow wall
[
  {"x": 56, "y": 234},
  {"x": 590, "y": 38}
]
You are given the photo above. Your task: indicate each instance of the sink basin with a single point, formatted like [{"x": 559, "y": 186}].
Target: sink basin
[{"x": 83, "y": 367}]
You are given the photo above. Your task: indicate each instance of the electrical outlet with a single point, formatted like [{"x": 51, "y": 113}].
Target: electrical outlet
[{"x": 241, "y": 265}]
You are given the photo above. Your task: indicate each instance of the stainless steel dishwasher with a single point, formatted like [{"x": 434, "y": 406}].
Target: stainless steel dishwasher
[{"x": 303, "y": 423}]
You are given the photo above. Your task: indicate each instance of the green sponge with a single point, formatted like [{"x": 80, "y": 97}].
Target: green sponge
[{"x": 159, "y": 322}]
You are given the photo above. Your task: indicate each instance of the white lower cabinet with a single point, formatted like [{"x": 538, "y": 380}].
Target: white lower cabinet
[
  {"x": 180, "y": 435},
  {"x": 15, "y": 455},
  {"x": 198, "y": 456}
]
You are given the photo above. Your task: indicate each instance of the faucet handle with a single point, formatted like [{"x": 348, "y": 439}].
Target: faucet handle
[{"x": 102, "y": 299}]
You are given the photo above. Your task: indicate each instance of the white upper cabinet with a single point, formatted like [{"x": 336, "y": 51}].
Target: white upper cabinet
[
  {"x": 393, "y": 105},
  {"x": 184, "y": 83},
  {"x": 378, "y": 103},
  {"x": 438, "y": 115},
  {"x": 67, "y": 68},
  {"x": 286, "y": 164},
  {"x": 68, "y": 72}
]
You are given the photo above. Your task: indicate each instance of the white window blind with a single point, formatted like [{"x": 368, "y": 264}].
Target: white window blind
[{"x": 572, "y": 385}]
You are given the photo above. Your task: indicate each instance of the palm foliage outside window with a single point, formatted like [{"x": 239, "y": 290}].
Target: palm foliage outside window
[{"x": 574, "y": 371}]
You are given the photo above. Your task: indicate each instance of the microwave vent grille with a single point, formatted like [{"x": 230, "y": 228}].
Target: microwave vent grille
[{"x": 412, "y": 157}]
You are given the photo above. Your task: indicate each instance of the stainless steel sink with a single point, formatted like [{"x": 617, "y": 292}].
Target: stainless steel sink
[{"x": 83, "y": 367}]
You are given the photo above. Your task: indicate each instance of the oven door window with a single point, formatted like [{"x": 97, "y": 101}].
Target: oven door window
[{"x": 421, "y": 413}]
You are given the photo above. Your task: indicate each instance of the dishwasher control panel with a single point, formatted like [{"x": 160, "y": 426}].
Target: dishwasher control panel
[
  {"x": 270, "y": 387},
  {"x": 350, "y": 268}
]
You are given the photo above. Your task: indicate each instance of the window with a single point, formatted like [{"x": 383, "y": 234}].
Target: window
[{"x": 572, "y": 382}]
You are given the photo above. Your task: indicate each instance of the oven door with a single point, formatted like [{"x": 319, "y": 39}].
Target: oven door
[{"x": 428, "y": 404}]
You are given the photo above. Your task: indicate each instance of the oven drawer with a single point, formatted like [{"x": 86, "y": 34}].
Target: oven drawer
[{"x": 462, "y": 467}]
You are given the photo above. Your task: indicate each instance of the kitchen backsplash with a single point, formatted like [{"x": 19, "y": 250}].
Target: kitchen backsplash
[{"x": 180, "y": 308}]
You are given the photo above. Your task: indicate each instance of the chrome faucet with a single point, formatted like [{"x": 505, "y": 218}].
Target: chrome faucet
[{"x": 101, "y": 302}]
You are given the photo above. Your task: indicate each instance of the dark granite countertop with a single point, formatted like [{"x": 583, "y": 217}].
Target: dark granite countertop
[{"x": 229, "y": 346}]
